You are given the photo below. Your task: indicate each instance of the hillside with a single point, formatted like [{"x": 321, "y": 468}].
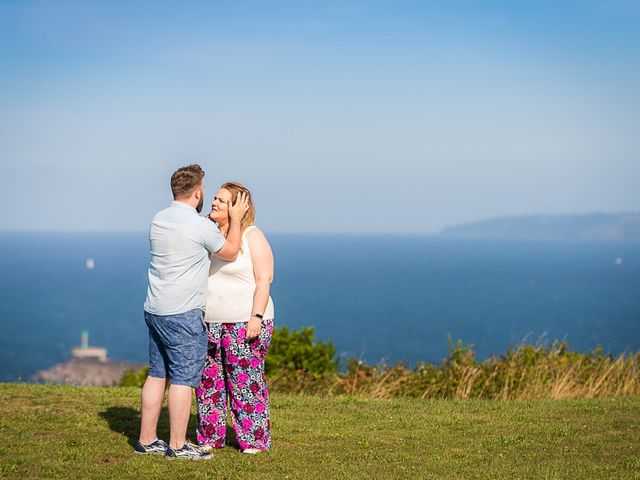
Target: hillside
[{"x": 596, "y": 226}]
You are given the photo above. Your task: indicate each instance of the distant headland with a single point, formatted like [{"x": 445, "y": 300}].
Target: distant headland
[
  {"x": 88, "y": 366},
  {"x": 592, "y": 226}
]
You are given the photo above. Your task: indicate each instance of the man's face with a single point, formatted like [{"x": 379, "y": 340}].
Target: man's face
[{"x": 201, "y": 202}]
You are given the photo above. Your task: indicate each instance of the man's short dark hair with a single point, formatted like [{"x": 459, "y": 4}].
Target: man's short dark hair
[{"x": 185, "y": 180}]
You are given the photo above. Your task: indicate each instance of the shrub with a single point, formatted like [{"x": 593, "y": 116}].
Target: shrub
[
  {"x": 132, "y": 378},
  {"x": 299, "y": 351},
  {"x": 295, "y": 361}
]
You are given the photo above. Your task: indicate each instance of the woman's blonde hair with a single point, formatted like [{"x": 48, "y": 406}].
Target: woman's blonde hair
[{"x": 250, "y": 215}]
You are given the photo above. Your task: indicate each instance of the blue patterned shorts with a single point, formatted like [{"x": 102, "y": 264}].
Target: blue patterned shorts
[{"x": 177, "y": 346}]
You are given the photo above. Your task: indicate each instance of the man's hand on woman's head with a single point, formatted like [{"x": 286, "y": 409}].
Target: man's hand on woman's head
[{"x": 238, "y": 209}]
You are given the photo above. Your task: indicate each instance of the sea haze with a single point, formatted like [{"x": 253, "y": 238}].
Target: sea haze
[{"x": 393, "y": 298}]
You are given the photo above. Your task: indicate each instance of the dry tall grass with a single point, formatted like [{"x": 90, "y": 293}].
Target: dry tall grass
[
  {"x": 297, "y": 362},
  {"x": 524, "y": 372}
]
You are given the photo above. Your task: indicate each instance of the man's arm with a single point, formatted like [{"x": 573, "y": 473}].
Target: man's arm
[{"x": 231, "y": 247}]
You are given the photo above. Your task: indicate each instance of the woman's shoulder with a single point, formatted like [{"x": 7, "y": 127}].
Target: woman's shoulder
[
  {"x": 253, "y": 231},
  {"x": 255, "y": 235}
]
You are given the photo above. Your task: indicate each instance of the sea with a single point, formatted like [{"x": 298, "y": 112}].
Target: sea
[{"x": 378, "y": 298}]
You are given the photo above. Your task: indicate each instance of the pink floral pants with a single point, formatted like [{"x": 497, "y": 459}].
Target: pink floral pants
[{"x": 234, "y": 370}]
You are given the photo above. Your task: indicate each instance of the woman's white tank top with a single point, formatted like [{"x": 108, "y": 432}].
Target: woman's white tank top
[{"x": 231, "y": 288}]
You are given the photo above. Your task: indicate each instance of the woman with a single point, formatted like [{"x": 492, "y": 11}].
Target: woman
[{"x": 240, "y": 318}]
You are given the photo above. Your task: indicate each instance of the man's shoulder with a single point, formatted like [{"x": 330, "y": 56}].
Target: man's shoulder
[{"x": 162, "y": 214}]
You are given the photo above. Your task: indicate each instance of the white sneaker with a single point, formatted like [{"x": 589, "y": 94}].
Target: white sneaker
[{"x": 251, "y": 451}]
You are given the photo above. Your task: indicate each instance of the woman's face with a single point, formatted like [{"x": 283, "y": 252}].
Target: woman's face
[{"x": 219, "y": 206}]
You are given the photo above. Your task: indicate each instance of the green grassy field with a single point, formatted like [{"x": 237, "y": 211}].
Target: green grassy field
[{"x": 78, "y": 433}]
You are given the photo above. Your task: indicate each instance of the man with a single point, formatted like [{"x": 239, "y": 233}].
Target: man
[{"x": 174, "y": 309}]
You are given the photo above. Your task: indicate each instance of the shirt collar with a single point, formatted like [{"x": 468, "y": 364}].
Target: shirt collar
[{"x": 178, "y": 204}]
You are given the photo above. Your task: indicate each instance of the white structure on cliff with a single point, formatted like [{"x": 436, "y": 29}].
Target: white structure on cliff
[
  {"x": 85, "y": 351},
  {"x": 87, "y": 366}
]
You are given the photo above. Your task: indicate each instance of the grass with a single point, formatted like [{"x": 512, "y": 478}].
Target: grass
[{"x": 75, "y": 432}]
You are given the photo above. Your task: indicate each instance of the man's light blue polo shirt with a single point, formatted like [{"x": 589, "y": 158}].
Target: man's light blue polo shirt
[{"x": 180, "y": 244}]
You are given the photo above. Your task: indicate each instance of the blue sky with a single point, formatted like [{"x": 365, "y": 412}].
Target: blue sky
[{"x": 341, "y": 116}]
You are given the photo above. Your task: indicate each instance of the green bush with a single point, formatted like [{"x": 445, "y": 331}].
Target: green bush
[
  {"x": 295, "y": 358},
  {"x": 132, "y": 378},
  {"x": 299, "y": 351}
]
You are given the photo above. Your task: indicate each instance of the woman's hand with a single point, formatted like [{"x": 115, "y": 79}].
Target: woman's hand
[{"x": 253, "y": 328}]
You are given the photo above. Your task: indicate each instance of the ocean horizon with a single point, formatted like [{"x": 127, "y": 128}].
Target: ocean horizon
[{"x": 377, "y": 297}]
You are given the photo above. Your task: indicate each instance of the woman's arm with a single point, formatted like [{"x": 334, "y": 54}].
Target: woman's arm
[{"x": 262, "y": 259}]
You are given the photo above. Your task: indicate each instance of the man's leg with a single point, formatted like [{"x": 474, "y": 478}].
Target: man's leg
[
  {"x": 179, "y": 411},
  {"x": 187, "y": 339},
  {"x": 152, "y": 397},
  {"x": 153, "y": 389}
]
